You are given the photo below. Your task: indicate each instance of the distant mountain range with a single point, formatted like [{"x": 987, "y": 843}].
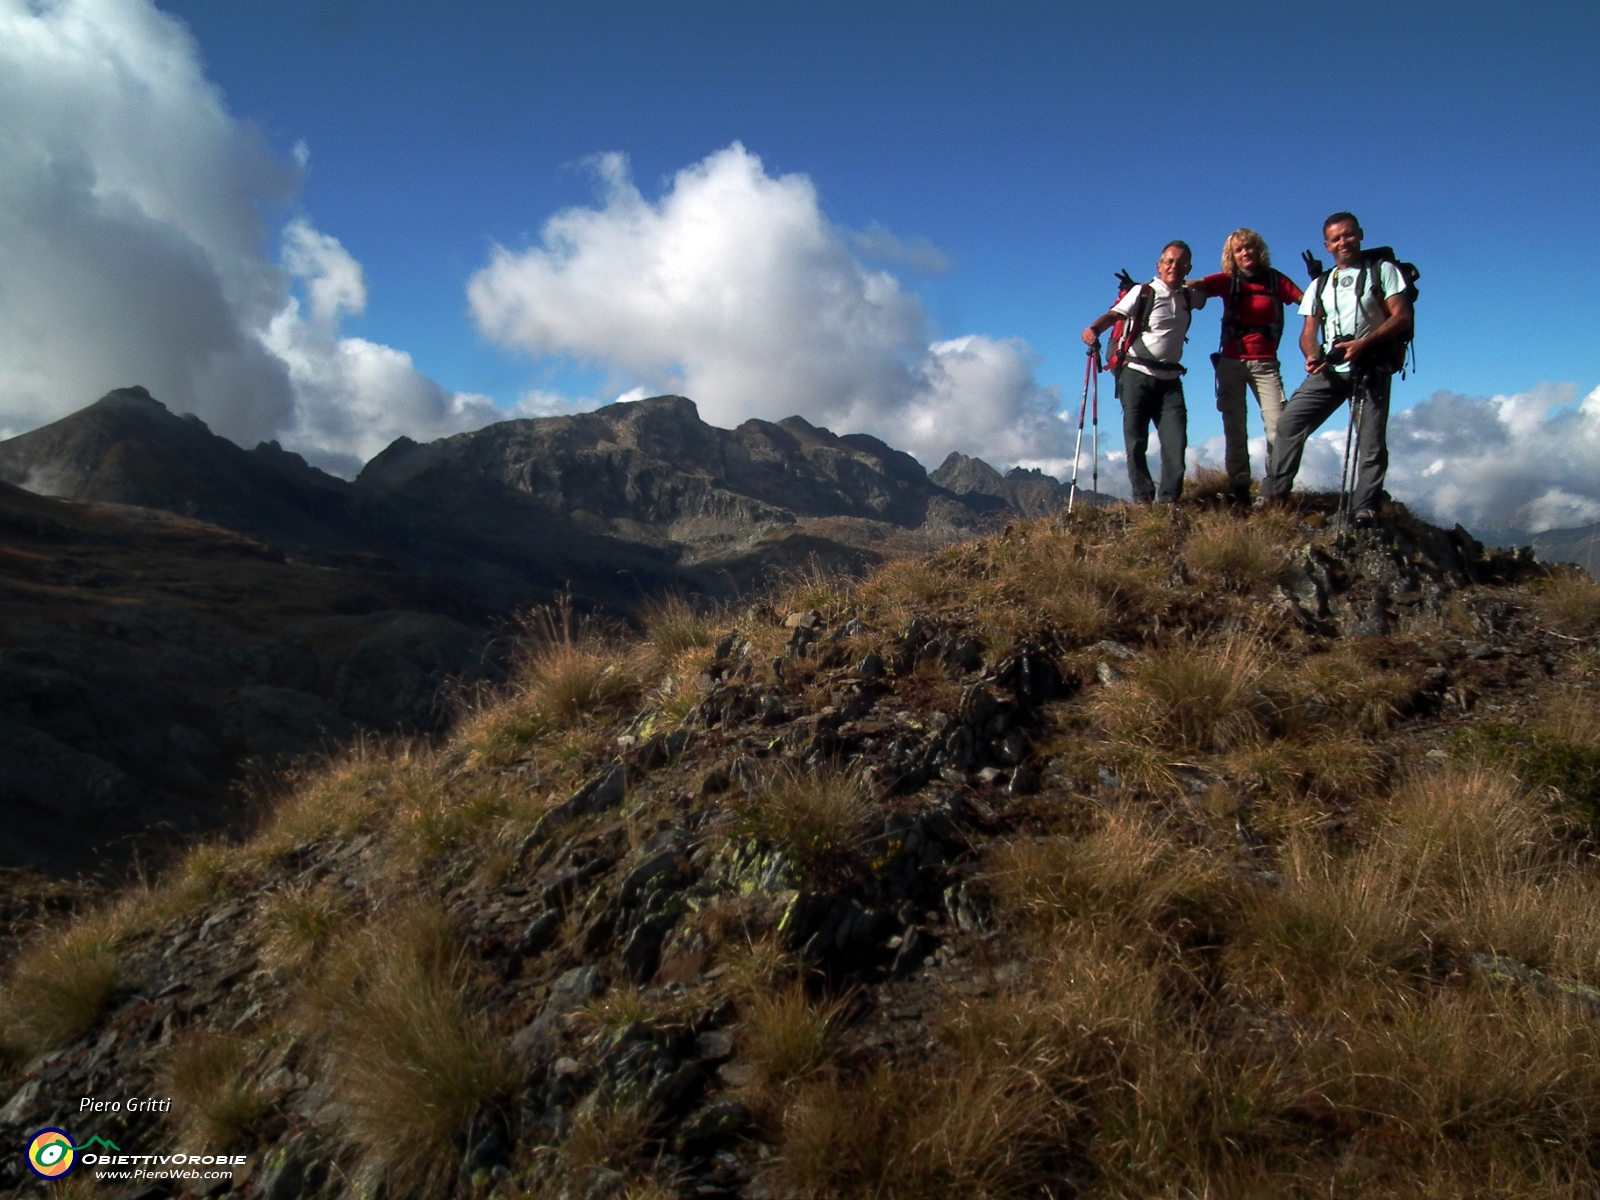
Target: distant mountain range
[
  {"x": 630, "y": 499},
  {"x": 175, "y": 610},
  {"x": 1580, "y": 545}
]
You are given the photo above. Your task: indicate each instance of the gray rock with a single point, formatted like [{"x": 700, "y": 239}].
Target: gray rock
[
  {"x": 1109, "y": 675},
  {"x": 605, "y": 790},
  {"x": 715, "y": 1045},
  {"x": 716, "y": 1123},
  {"x": 21, "y": 1103},
  {"x": 571, "y": 991}
]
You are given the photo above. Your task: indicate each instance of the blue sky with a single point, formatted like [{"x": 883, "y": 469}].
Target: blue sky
[
  {"x": 1036, "y": 147},
  {"x": 1042, "y": 146}
]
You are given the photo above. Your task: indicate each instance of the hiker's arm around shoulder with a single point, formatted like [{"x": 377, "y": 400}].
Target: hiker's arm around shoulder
[{"x": 1311, "y": 345}]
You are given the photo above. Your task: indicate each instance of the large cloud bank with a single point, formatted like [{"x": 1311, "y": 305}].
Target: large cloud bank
[
  {"x": 133, "y": 250},
  {"x": 736, "y": 290},
  {"x": 1527, "y": 462}
]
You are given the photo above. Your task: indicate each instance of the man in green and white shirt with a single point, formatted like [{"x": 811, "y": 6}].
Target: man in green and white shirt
[{"x": 1354, "y": 315}]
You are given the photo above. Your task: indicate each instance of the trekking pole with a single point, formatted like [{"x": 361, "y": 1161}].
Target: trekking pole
[
  {"x": 1089, "y": 372},
  {"x": 1095, "y": 469},
  {"x": 1352, "y": 464}
]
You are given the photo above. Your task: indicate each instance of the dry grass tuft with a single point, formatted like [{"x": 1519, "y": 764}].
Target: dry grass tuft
[
  {"x": 567, "y": 681},
  {"x": 1464, "y": 825},
  {"x": 628, "y": 1004},
  {"x": 1125, "y": 875},
  {"x": 1338, "y": 690},
  {"x": 821, "y": 818},
  {"x": 343, "y": 795},
  {"x": 571, "y": 670},
  {"x": 434, "y": 814},
  {"x": 1573, "y": 718},
  {"x": 1570, "y": 602},
  {"x": 1237, "y": 553},
  {"x": 1082, "y": 586},
  {"x": 1208, "y": 696},
  {"x": 1478, "y": 1069},
  {"x": 1339, "y": 927},
  {"x": 605, "y": 1138},
  {"x": 59, "y": 985},
  {"x": 812, "y": 587},
  {"x": 786, "y": 1036},
  {"x": 674, "y": 624},
  {"x": 299, "y": 921},
  {"x": 910, "y": 586},
  {"x": 985, "y": 1130},
  {"x": 412, "y": 1056},
  {"x": 1207, "y": 485},
  {"x": 208, "y": 1077},
  {"x": 756, "y": 965}
]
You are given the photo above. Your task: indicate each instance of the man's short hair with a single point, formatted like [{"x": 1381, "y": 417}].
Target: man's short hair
[
  {"x": 1339, "y": 218},
  {"x": 1184, "y": 246}
]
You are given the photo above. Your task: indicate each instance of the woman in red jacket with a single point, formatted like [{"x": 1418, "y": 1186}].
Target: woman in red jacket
[{"x": 1252, "y": 324}]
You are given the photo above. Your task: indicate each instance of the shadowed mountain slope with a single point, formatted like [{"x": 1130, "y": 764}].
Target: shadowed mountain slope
[{"x": 147, "y": 660}]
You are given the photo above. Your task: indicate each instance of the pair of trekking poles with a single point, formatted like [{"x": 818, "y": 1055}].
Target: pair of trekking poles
[{"x": 1351, "y": 469}]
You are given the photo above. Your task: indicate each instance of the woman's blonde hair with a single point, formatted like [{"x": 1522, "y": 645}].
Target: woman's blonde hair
[{"x": 1243, "y": 237}]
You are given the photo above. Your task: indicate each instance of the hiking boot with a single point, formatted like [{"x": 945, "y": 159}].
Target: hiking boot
[
  {"x": 1365, "y": 518},
  {"x": 1270, "y": 504}
]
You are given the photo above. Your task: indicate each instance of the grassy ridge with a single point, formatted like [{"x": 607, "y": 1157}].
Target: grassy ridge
[{"x": 1238, "y": 906}]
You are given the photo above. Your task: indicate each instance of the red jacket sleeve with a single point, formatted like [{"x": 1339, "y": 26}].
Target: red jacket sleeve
[
  {"x": 1212, "y": 285},
  {"x": 1288, "y": 292}
]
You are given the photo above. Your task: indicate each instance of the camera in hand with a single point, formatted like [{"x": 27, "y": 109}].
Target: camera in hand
[{"x": 1336, "y": 352}]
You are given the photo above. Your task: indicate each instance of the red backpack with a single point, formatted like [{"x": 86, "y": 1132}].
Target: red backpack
[{"x": 1131, "y": 327}]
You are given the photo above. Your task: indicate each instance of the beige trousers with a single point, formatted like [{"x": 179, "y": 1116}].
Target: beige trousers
[{"x": 1262, "y": 377}]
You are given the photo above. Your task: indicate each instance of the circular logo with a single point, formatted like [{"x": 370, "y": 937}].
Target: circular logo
[
  {"x": 1346, "y": 281},
  {"x": 51, "y": 1154}
]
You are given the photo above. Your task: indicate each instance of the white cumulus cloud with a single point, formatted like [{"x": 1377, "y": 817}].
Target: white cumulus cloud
[
  {"x": 736, "y": 290},
  {"x": 132, "y": 250},
  {"x": 352, "y": 397},
  {"x": 1529, "y": 461}
]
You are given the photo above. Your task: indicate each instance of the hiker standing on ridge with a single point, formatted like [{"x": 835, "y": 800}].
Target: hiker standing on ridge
[
  {"x": 1146, "y": 358},
  {"x": 1252, "y": 325},
  {"x": 1356, "y": 316}
]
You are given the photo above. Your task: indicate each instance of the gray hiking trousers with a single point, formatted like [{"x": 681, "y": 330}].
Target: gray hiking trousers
[
  {"x": 1313, "y": 402},
  {"x": 1145, "y": 399}
]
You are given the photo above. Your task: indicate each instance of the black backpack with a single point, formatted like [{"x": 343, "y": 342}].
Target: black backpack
[{"x": 1395, "y": 357}]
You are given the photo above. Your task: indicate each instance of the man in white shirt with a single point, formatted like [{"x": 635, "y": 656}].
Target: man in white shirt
[
  {"x": 1356, "y": 314},
  {"x": 1150, "y": 384}
]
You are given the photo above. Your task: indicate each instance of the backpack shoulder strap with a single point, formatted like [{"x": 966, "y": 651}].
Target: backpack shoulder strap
[
  {"x": 1141, "y": 309},
  {"x": 1318, "y": 309}
]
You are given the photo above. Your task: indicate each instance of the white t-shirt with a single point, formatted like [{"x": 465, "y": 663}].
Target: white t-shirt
[
  {"x": 1346, "y": 315},
  {"x": 1166, "y": 328}
]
